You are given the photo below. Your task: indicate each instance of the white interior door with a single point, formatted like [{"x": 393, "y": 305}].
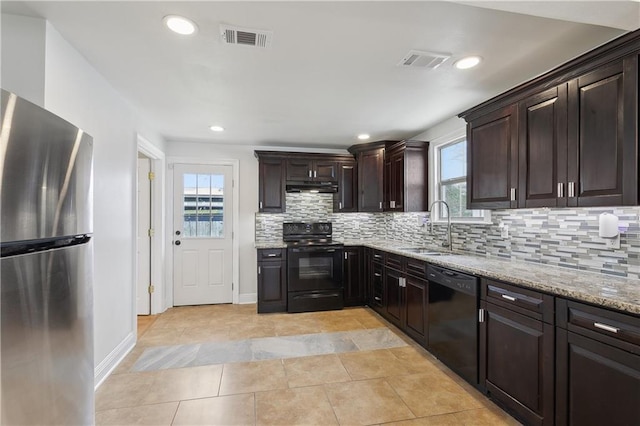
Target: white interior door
[
  {"x": 202, "y": 234},
  {"x": 144, "y": 240}
]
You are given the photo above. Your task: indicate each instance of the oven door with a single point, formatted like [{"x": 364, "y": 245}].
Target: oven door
[{"x": 314, "y": 268}]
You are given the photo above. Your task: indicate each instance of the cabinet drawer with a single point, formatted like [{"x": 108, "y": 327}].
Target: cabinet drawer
[
  {"x": 393, "y": 261},
  {"x": 617, "y": 329},
  {"x": 416, "y": 267},
  {"x": 377, "y": 256},
  {"x": 271, "y": 254},
  {"x": 527, "y": 302}
]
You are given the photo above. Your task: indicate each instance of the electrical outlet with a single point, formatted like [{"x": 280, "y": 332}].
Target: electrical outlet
[{"x": 613, "y": 243}]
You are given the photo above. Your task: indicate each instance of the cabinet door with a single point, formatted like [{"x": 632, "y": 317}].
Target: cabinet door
[
  {"x": 272, "y": 287},
  {"x": 415, "y": 321},
  {"x": 346, "y": 199},
  {"x": 492, "y": 160},
  {"x": 597, "y": 384},
  {"x": 353, "y": 282},
  {"x": 543, "y": 149},
  {"x": 271, "y": 185},
  {"x": 393, "y": 296},
  {"x": 394, "y": 182},
  {"x": 325, "y": 171},
  {"x": 603, "y": 144},
  {"x": 516, "y": 363},
  {"x": 299, "y": 169},
  {"x": 370, "y": 178}
]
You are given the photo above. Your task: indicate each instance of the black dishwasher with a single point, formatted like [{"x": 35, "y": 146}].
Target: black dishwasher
[{"x": 453, "y": 320}]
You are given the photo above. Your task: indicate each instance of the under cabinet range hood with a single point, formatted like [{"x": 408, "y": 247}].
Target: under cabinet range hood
[{"x": 311, "y": 186}]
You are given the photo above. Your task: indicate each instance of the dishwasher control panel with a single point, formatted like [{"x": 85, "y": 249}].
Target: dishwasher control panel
[{"x": 453, "y": 279}]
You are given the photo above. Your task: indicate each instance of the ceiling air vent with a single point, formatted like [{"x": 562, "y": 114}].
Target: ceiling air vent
[
  {"x": 245, "y": 36},
  {"x": 418, "y": 59}
]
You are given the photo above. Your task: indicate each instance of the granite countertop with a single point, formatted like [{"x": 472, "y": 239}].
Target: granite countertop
[
  {"x": 270, "y": 244},
  {"x": 618, "y": 293}
]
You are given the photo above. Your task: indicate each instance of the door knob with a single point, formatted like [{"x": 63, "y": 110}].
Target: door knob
[
  {"x": 178, "y": 242},
  {"x": 178, "y": 232}
]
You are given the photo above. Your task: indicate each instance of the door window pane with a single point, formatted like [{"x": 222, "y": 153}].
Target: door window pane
[{"x": 203, "y": 205}]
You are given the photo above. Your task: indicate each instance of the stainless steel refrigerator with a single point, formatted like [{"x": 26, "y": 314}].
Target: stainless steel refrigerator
[{"x": 46, "y": 351}]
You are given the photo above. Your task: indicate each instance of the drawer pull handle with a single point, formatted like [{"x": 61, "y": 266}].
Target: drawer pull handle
[
  {"x": 377, "y": 275},
  {"x": 509, "y": 298},
  {"x": 378, "y": 299},
  {"x": 272, "y": 255},
  {"x": 377, "y": 256},
  {"x": 605, "y": 327}
]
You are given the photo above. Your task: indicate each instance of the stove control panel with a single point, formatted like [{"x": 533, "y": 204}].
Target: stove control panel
[{"x": 319, "y": 229}]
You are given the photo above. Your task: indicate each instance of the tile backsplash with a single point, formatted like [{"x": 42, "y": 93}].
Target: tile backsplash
[{"x": 565, "y": 237}]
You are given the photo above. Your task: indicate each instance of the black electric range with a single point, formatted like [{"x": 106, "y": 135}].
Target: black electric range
[{"x": 314, "y": 267}]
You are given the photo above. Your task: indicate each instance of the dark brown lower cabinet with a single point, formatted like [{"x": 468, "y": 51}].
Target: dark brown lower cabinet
[
  {"x": 517, "y": 363},
  {"x": 272, "y": 280},
  {"x": 415, "y": 315},
  {"x": 598, "y": 366},
  {"x": 354, "y": 290},
  {"x": 405, "y": 301},
  {"x": 392, "y": 296}
]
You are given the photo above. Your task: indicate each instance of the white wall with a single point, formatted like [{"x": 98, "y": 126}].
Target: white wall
[
  {"x": 23, "y": 50},
  {"x": 74, "y": 90},
  {"x": 443, "y": 131}
]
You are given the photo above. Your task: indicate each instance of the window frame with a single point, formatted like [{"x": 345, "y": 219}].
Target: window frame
[{"x": 436, "y": 186}]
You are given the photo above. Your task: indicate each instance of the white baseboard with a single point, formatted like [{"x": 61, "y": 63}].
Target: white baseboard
[
  {"x": 244, "y": 299},
  {"x": 112, "y": 360}
]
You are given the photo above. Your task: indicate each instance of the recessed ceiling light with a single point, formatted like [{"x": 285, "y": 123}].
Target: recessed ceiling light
[
  {"x": 180, "y": 24},
  {"x": 468, "y": 62},
  {"x": 216, "y": 128},
  {"x": 363, "y": 137}
]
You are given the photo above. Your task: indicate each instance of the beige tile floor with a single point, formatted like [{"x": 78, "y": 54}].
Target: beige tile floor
[{"x": 397, "y": 386}]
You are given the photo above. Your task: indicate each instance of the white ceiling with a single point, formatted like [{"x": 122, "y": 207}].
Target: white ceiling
[{"x": 331, "y": 72}]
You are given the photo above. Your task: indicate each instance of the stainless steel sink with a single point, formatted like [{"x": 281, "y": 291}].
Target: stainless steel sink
[{"x": 425, "y": 250}]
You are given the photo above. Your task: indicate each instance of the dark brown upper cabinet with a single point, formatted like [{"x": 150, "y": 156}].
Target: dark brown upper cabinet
[
  {"x": 603, "y": 136},
  {"x": 542, "y": 142},
  {"x": 492, "y": 160},
  {"x": 370, "y": 159},
  {"x": 346, "y": 199},
  {"x": 275, "y": 168},
  {"x": 392, "y": 176},
  {"x": 566, "y": 138},
  {"x": 406, "y": 177},
  {"x": 300, "y": 169},
  {"x": 271, "y": 184}
]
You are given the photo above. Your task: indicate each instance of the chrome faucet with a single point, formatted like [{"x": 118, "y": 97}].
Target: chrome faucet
[{"x": 448, "y": 242}]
